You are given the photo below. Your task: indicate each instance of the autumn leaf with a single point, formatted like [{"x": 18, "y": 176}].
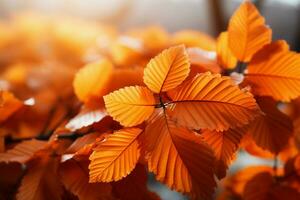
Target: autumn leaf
[
  {"x": 130, "y": 105},
  {"x": 225, "y": 145},
  {"x": 136, "y": 183},
  {"x": 274, "y": 71},
  {"x": 167, "y": 70},
  {"x": 273, "y": 129},
  {"x": 9, "y": 104},
  {"x": 179, "y": 158},
  {"x": 247, "y": 32},
  {"x": 263, "y": 187},
  {"x": 213, "y": 102},
  {"x": 41, "y": 176},
  {"x": 23, "y": 151},
  {"x": 224, "y": 55},
  {"x": 115, "y": 157},
  {"x": 88, "y": 115},
  {"x": 75, "y": 177},
  {"x": 90, "y": 81}
]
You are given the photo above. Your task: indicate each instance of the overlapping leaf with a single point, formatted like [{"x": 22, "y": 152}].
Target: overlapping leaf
[
  {"x": 115, "y": 157},
  {"x": 130, "y": 105},
  {"x": 225, "y": 144},
  {"x": 213, "y": 102},
  {"x": 224, "y": 55},
  {"x": 274, "y": 71},
  {"x": 23, "y": 151},
  {"x": 167, "y": 70},
  {"x": 247, "y": 32},
  {"x": 273, "y": 129},
  {"x": 74, "y": 176},
  {"x": 179, "y": 158},
  {"x": 42, "y": 175},
  {"x": 91, "y": 81}
]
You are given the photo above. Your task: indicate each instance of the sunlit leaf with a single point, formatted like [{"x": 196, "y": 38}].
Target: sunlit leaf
[
  {"x": 247, "y": 32},
  {"x": 179, "y": 158},
  {"x": 274, "y": 71},
  {"x": 224, "y": 55},
  {"x": 167, "y": 70},
  {"x": 130, "y": 105},
  {"x": 115, "y": 157},
  {"x": 213, "y": 102}
]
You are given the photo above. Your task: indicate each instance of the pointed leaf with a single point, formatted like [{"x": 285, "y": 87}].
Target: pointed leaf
[
  {"x": 224, "y": 55},
  {"x": 116, "y": 156},
  {"x": 91, "y": 80},
  {"x": 75, "y": 177},
  {"x": 167, "y": 70},
  {"x": 247, "y": 32},
  {"x": 179, "y": 158},
  {"x": 273, "y": 129},
  {"x": 23, "y": 151},
  {"x": 274, "y": 71},
  {"x": 225, "y": 144},
  {"x": 130, "y": 105},
  {"x": 213, "y": 102}
]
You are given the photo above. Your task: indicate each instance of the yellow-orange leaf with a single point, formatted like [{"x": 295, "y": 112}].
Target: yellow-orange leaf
[
  {"x": 130, "y": 105},
  {"x": 247, "y": 32},
  {"x": 167, "y": 70},
  {"x": 179, "y": 158},
  {"x": 224, "y": 55},
  {"x": 91, "y": 80},
  {"x": 192, "y": 38},
  {"x": 23, "y": 151},
  {"x": 273, "y": 129},
  {"x": 224, "y": 144},
  {"x": 274, "y": 71},
  {"x": 116, "y": 156},
  {"x": 213, "y": 102},
  {"x": 74, "y": 176},
  {"x": 9, "y": 104}
]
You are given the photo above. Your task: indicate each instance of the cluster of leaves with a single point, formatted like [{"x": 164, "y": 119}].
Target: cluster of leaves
[{"x": 179, "y": 106}]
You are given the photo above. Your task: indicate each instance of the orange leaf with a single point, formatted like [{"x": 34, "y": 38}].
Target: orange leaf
[
  {"x": 136, "y": 183},
  {"x": 224, "y": 55},
  {"x": 213, "y": 102},
  {"x": 41, "y": 176},
  {"x": 91, "y": 80},
  {"x": 225, "y": 144},
  {"x": 273, "y": 129},
  {"x": 247, "y": 32},
  {"x": 179, "y": 158},
  {"x": 74, "y": 176},
  {"x": 23, "y": 151},
  {"x": 167, "y": 70},
  {"x": 88, "y": 115},
  {"x": 192, "y": 38},
  {"x": 274, "y": 71},
  {"x": 116, "y": 156},
  {"x": 130, "y": 105},
  {"x": 263, "y": 187},
  {"x": 9, "y": 104},
  {"x": 237, "y": 182}
]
